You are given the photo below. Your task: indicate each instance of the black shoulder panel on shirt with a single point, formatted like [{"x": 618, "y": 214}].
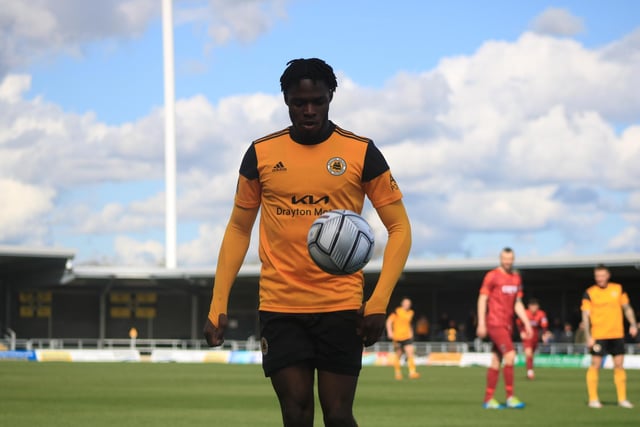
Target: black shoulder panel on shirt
[
  {"x": 374, "y": 163},
  {"x": 249, "y": 165}
]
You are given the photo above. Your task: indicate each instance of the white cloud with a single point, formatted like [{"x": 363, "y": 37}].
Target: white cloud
[
  {"x": 628, "y": 240},
  {"x": 525, "y": 136},
  {"x": 24, "y": 210},
  {"x": 203, "y": 250},
  {"x": 557, "y": 22},
  {"x": 13, "y": 87},
  {"x": 131, "y": 252},
  {"x": 41, "y": 28},
  {"x": 490, "y": 210},
  {"x": 137, "y": 216},
  {"x": 243, "y": 20}
]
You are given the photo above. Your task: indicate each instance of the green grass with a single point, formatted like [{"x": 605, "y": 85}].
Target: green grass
[{"x": 145, "y": 394}]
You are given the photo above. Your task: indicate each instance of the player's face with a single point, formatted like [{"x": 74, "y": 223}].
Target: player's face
[
  {"x": 602, "y": 277},
  {"x": 308, "y": 103},
  {"x": 533, "y": 308},
  {"x": 406, "y": 304},
  {"x": 506, "y": 260}
]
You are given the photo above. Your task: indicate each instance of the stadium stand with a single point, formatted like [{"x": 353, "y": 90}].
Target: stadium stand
[{"x": 49, "y": 302}]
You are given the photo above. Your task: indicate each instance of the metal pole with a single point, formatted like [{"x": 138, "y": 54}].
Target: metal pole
[{"x": 169, "y": 135}]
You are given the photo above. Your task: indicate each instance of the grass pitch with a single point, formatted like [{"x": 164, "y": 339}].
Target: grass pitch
[{"x": 158, "y": 395}]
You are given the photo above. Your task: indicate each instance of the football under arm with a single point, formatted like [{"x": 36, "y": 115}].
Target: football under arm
[
  {"x": 235, "y": 244},
  {"x": 395, "y": 219}
]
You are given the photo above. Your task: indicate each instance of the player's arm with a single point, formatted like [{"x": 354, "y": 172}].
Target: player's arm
[
  {"x": 235, "y": 244},
  {"x": 522, "y": 315},
  {"x": 585, "y": 308},
  {"x": 389, "y": 325},
  {"x": 544, "y": 322},
  {"x": 631, "y": 318},
  {"x": 481, "y": 330},
  {"x": 520, "y": 327},
  {"x": 395, "y": 219}
]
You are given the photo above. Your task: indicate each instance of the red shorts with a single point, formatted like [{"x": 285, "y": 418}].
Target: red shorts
[
  {"x": 501, "y": 338},
  {"x": 532, "y": 342}
]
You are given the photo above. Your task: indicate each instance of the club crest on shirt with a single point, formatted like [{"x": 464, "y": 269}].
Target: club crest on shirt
[{"x": 336, "y": 166}]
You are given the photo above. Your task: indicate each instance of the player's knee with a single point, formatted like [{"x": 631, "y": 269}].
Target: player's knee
[
  {"x": 509, "y": 358},
  {"x": 297, "y": 415},
  {"x": 339, "y": 417}
]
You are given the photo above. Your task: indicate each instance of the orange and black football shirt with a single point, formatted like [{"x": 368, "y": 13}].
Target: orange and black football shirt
[
  {"x": 401, "y": 324},
  {"x": 605, "y": 310},
  {"x": 293, "y": 184}
]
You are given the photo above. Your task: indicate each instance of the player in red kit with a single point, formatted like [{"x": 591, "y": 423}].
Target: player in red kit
[
  {"x": 539, "y": 325},
  {"x": 500, "y": 297}
]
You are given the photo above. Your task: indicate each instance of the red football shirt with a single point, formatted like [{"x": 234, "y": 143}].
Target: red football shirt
[
  {"x": 538, "y": 321},
  {"x": 503, "y": 289}
]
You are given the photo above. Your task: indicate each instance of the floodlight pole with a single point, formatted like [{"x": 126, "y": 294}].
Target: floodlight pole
[{"x": 169, "y": 135}]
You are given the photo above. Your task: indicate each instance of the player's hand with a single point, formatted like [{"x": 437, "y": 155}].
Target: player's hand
[
  {"x": 370, "y": 327},
  {"x": 633, "y": 330},
  {"x": 523, "y": 335},
  {"x": 528, "y": 332},
  {"x": 215, "y": 335},
  {"x": 481, "y": 331},
  {"x": 590, "y": 342}
]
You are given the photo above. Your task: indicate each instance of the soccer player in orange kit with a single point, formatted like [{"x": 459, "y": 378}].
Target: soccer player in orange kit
[
  {"x": 311, "y": 322},
  {"x": 603, "y": 305},
  {"x": 400, "y": 331}
]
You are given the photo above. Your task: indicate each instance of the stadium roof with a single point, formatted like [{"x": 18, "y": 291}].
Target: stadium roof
[
  {"x": 51, "y": 267},
  {"x": 35, "y": 266}
]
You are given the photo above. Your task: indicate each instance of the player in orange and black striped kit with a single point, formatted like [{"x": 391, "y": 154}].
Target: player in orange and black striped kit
[
  {"x": 400, "y": 331},
  {"x": 310, "y": 321},
  {"x": 603, "y": 305}
]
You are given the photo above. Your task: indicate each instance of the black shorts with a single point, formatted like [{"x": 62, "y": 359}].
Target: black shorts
[
  {"x": 400, "y": 345},
  {"x": 613, "y": 347},
  {"x": 326, "y": 341}
]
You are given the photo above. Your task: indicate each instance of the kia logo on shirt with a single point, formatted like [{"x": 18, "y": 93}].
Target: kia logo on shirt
[
  {"x": 309, "y": 199},
  {"x": 509, "y": 289}
]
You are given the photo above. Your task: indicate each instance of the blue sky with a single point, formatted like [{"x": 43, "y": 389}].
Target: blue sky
[{"x": 505, "y": 123}]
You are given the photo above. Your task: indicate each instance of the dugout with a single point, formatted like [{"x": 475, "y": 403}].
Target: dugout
[{"x": 42, "y": 294}]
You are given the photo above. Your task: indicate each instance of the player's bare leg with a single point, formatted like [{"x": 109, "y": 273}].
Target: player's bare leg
[
  {"x": 411, "y": 362},
  {"x": 528, "y": 354},
  {"x": 396, "y": 362},
  {"x": 294, "y": 387},
  {"x": 336, "y": 393},
  {"x": 592, "y": 381},
  {"x": 620, "y": 380}
]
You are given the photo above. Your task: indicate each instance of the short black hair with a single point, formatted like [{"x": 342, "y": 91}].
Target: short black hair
[
  {"x": 308, "y": 68},
  {"x": 534, "y": 301},
  {"x": 507, "y": 249},
  {"x": 601, "y": 267}
]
